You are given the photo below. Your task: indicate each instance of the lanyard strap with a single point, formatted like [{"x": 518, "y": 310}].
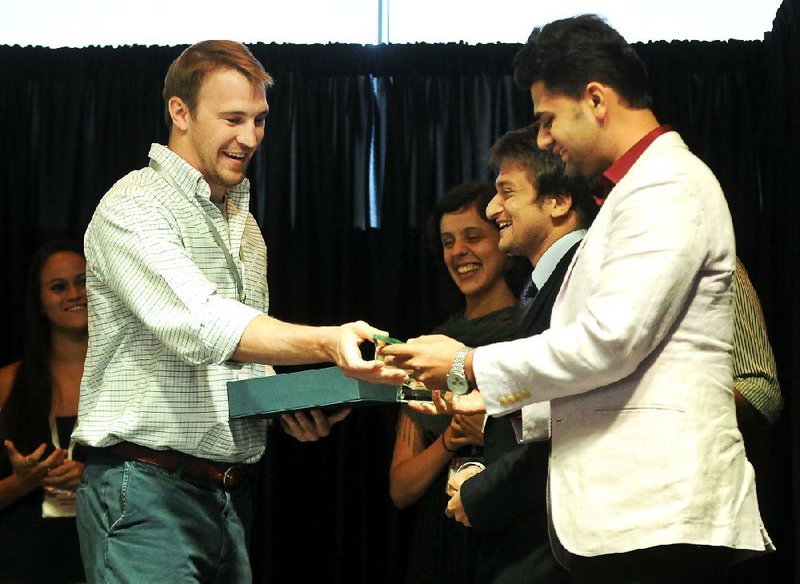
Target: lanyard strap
[
  {"x": 55, "y": 439},
  {"x": 231, "y": 264}
]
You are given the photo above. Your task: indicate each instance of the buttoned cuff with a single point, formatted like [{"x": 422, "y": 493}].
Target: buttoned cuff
[{"x": 498, "y": 395}]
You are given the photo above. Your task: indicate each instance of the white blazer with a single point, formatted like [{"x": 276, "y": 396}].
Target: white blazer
[{"x": 645, "y": 446}]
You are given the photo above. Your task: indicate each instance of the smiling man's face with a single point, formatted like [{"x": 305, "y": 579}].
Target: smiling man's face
[
  {"x": 569, "y": 128},
  {"x": 225, "y": 128},
  {"x": 519, "y": 212}
]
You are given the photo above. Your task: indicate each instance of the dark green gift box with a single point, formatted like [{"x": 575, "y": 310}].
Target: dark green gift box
[{"x": 316, "y": 388}]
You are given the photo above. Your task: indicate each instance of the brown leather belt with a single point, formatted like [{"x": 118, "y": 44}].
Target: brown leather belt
[{"x": 227, "y": 476}]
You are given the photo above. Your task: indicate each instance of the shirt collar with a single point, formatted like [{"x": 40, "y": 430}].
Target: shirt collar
[
  {"x": 614, "y": 173},
  {"x": 191, "y": 180},
  {"x": 549, "y": 260}
]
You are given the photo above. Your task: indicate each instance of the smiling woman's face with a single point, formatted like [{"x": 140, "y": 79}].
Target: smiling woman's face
[
  {"x": 63, "y": 290},
  {"x": 470, "y": 251}
]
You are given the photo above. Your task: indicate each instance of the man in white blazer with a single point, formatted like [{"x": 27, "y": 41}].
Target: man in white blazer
[{"x": 648, "y": 477}]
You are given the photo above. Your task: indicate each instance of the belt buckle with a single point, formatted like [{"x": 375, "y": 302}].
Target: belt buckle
[{"x": 228, "y": 476}]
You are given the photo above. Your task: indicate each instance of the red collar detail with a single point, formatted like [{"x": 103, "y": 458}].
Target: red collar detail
[{"x": 623, "y": 164}]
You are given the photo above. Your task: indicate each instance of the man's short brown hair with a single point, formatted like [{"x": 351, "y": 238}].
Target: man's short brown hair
[{"x": 186, "y": 74}]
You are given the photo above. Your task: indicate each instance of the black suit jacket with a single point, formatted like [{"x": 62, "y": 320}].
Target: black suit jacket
[{"x": 507, "y": 501}]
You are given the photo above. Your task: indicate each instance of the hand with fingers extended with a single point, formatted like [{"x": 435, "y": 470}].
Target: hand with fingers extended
[
  {"x": 311, "y": 425},
  {"x": 29, "y": 472}
]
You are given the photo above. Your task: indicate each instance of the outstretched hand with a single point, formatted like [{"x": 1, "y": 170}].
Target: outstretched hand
[
  {"x": 348, "y": 355},
  {"x": 30, "y": 470},
  {"x": 428, "y": 358}
]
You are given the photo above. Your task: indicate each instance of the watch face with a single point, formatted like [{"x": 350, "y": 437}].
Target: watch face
[{"x": 457, "y": 383}]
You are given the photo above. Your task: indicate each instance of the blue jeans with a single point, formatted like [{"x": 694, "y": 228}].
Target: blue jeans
[{"x": 138, "y": 523}]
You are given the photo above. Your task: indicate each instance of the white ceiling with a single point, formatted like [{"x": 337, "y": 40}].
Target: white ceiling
[{"x": 79, "y": 23}]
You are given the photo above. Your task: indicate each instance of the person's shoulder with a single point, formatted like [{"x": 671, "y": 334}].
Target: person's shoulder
[
  {"x": 670, "y": 154},
  {"x": 130, "y": 194},
  {"x": 134, "y": 200},
  {"x": 668, "y": 163},
  {"x": 7, "y": 376},
  {"x": 136, "y": 181}
]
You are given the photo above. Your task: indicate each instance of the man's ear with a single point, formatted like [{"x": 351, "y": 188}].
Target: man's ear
[
  {"x": 561, "y": 205},
  {"x": 597, "y": 96},
  {"x": 179, "y": 112}
]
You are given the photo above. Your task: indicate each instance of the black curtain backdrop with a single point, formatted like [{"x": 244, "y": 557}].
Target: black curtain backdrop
[
  {"x": 779, "y": 158},
  {"x": 405, "y": 122}
]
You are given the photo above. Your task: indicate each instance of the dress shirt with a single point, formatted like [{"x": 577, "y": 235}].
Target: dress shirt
[
  {"x": 165, "y": 318},
  {"x": 614, "y": 173},
  {"x": 550, "y": 258}
]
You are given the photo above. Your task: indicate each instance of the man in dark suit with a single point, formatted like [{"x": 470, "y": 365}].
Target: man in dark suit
[{"x": 541, "y": 214}]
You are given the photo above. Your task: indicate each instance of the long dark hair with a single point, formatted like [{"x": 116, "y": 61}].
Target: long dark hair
[{"x": 24, "y": 418}]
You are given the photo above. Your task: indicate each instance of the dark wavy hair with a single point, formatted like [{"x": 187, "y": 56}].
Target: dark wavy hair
[
  {"x": 464, "y": 196},
  {"x": 24, "y": 418},
  {"x": 568, "y": 54},
  {"x": 545, "y": 171}
]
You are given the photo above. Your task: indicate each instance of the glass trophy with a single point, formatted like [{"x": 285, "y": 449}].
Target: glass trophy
[{"x": 411, "y": 389}]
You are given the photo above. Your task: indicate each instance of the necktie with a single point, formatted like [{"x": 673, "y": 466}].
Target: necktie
[
  {"x": 526, "y": 296},
  {"x": 529, "y": 291}
]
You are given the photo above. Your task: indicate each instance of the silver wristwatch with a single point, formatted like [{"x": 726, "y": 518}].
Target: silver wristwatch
[{"x": 457, "y": 378}]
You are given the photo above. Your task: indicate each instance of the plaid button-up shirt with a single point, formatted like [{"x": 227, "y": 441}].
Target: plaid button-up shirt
[{"x": 164, "y": 315}]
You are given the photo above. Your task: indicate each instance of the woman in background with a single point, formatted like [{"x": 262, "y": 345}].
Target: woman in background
[
  {"x": 442, "y": 550},
  {"x": 39, "y": 468}
]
